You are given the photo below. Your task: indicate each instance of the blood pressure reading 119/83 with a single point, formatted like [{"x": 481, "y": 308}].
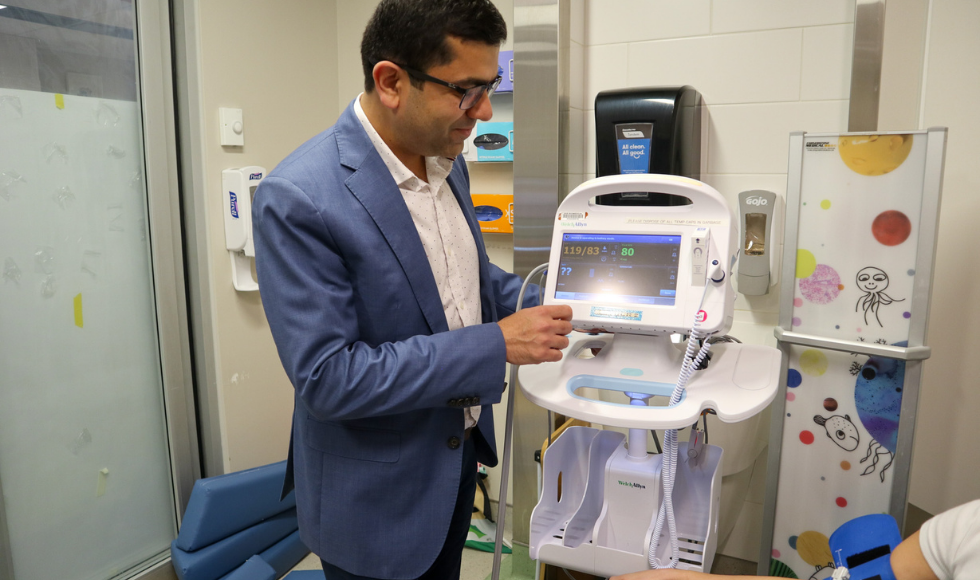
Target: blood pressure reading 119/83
[{"x": 618, "y": 268}]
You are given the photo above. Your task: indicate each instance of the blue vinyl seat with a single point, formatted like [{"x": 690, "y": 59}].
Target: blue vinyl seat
[{"x": 236, "y": 528}]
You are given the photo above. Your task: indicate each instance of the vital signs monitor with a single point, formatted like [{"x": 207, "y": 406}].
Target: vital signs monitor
[
  {"x": 651, "y": 287},
  {"x": 644, "y": 269}
]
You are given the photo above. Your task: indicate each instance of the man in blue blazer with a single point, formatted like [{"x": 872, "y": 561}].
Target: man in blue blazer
[{"x": 390, "y": 321}]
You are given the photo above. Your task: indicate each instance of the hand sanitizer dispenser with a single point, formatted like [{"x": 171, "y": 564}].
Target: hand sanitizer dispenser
[
  {"x": 238, "y": 188},
  {"x": 758, "y": 260}
]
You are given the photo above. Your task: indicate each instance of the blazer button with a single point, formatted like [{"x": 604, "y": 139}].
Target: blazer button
[
  {"x": 476, "y": 401},
  {"x": 454, "y": 442},
  {"x": 453, "y": 402}
]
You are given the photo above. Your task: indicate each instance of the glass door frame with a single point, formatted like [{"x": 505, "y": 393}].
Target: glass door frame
[{"x": 155, "y": 82}]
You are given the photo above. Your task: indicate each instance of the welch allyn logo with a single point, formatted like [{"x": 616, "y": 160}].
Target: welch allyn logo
[{"x": 631, "y": 484}]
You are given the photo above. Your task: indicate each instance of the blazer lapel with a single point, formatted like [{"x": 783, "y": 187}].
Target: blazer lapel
[{"x": 372, "y": 184}]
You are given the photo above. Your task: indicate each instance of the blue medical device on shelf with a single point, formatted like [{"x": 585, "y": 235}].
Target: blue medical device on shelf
[{"x": 644, "y": 274}]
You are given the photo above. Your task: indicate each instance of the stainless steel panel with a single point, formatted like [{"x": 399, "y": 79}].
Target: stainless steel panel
[
  {"x": 541, "y": 47},
  {"x": 869, "y": 35}
]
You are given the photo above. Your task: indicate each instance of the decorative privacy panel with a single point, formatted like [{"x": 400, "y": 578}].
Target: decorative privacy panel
[{"x": 861, "y": 217}]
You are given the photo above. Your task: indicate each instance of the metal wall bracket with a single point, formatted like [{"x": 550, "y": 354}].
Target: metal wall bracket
[{"x": 883, "y": 350}]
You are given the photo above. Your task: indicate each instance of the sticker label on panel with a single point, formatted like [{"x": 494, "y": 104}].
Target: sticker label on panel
[{"x": 616, "y": 313}]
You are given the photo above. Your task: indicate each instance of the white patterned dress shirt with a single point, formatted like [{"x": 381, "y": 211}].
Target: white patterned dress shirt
[{"x": 446, "y": 237}]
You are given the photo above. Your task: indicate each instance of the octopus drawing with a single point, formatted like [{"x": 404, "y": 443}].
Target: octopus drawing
[
  {"x": 873, "y": 281},
  {"x": 878, "y": 397}
]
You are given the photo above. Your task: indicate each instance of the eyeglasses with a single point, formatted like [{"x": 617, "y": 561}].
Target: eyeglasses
[{"x": 470, "y": 97}]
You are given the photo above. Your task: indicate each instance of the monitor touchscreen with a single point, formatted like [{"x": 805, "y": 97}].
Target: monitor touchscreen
[{"x": 619, "y": 268}]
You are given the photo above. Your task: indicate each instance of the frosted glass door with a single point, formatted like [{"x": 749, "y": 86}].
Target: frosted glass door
[{"x": 84, "y": 460}]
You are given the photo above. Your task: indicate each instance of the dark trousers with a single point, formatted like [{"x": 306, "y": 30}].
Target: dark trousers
[{"x": 446, "y": 566}]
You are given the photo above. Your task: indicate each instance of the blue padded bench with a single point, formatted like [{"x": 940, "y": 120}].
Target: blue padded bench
[
  {"x": 255, "y": 568},
  {"x": 236, "y": 528}
]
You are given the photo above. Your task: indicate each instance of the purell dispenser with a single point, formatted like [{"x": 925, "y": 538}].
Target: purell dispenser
[
  {"x": 238, "y": 189},
  {"x": 648, "y": 130}
]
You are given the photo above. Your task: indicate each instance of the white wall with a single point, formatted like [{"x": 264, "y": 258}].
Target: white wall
[
  {"x": 352, "y": 18},
  {"x": 278, "y": 63},
  {"x": 945, "y": 469}
]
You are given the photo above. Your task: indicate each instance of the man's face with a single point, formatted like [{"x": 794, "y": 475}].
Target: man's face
[{"x": 432, "y": 124}]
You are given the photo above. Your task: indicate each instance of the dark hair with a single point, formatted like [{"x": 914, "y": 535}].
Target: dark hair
[{"x": 413, "y": 32}]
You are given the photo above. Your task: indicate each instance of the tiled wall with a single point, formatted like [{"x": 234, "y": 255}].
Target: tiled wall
[{"x": 765, "y": 68}]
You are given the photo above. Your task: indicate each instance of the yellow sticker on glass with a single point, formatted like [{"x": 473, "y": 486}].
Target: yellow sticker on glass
[{"x": 79, "y": 322}]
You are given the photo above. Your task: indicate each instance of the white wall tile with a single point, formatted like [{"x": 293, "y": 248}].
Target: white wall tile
[
  {"x": 733, "y": 68},
  {"x": 576, "y": 76},
  {"x": 574, "y": 180},
  {"x": 757, "y": 487},
  {"x": 730, "y": 185},
  {"x": 767, "y": 303},
  {"x": 755, "y": 327},
  {"x": 755, "y": 138},
  {"x": 577, "y": 21},
  {"x": 744, "y": 541},
  {"x": 605, "y": 68},
  {"x": 589, "y": 160},
  {"x": 827, "y": 62},
  {"x": 742, "y": 15},
  {"x": 576, "y": 141},
  {"x": 610, "y": 21}
]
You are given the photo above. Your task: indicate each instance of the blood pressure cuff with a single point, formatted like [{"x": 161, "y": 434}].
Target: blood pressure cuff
[{"x": 864, "y": 546}]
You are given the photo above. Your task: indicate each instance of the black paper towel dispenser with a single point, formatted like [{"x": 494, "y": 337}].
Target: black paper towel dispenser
[{"x": 648, "y": 130}]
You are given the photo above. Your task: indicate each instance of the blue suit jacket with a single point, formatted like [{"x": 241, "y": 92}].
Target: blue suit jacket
[{"x": 380, "y": 381}]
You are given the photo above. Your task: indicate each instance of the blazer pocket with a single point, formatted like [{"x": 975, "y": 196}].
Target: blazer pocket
[{"x": 353, "y": 442}]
